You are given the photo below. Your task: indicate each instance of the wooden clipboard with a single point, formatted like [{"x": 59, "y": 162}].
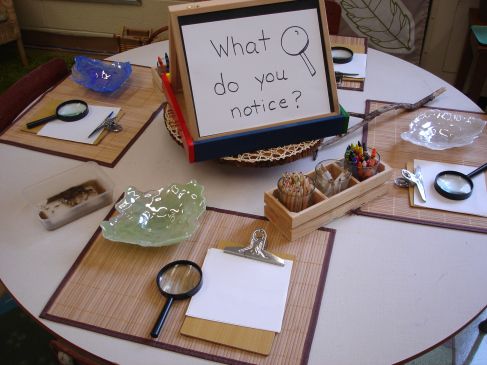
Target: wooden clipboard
[{"x": 244, "y": 338}]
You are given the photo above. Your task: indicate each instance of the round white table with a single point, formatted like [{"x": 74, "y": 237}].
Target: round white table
[{"x": 385, "y": 299}]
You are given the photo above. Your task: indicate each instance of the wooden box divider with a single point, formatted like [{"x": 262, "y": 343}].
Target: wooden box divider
[{"x": 325, "y": 208}]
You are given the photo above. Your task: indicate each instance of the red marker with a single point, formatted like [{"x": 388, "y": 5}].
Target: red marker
[{"x": 160, "y": 65}]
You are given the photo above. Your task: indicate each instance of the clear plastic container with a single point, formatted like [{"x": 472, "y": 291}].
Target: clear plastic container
[
  {"x": 440, "y": 130},
  {"x": 70, "y": 195}
]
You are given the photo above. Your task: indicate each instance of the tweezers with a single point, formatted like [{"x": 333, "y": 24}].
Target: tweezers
[
  {"x": 102, "y": 125},
  {"x": 417, "y": 179},
  {"x": 341, "y": 74}
]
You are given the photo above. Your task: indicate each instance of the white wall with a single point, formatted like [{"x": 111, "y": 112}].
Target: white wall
[{"x": 87, "y": 18}]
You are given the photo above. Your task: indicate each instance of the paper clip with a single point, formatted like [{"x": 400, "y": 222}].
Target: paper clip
[{"x": 256, "y": 249}]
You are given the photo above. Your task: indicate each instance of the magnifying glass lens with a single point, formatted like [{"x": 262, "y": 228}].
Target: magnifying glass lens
[
  {"x": 69, "y": 111},
  {"x": 340, "y": 53},
  {"x": 180, "y": 279},
  {"x": 177, "y": 280},
  {"x": 72, "y": 109},
  {"x": 454, "y": 184}
]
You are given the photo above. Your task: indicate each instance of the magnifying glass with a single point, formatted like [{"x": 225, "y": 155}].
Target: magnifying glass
[
  {"x": 341, "y": 55},
  {"x": 294, "y": 42},
  {"x": 69, "y": 111},
  {"x": 455, "y": 185},
  {"x": 177, "y": 280}
]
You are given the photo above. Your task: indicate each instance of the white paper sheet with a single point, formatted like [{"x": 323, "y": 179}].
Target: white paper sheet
[
  {"x": 250, "y": 68},
  {"x": 357, "y": 65},
  {"x": 242, "y": 291},
  {"x": 79, "y": 130},
  {"x": 475, "y": 204}
]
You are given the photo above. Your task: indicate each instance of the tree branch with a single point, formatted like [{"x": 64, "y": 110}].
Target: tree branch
[{"x": 366, "y": 118}]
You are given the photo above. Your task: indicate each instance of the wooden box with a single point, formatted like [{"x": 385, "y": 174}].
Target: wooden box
[{"x": 324, "y": 209}]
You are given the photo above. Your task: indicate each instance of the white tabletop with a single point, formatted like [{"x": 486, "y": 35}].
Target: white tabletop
[{"x": 393, "y": 289}]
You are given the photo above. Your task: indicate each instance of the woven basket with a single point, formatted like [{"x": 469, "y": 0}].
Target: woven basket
[{"x": 260, "y": 158}]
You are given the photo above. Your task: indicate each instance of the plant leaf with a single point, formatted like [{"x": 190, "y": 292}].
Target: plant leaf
[{"x": 387, "y": 23}]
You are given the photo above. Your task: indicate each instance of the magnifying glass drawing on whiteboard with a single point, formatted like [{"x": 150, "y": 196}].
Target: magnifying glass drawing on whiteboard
[{"x": 295, "y": 42}]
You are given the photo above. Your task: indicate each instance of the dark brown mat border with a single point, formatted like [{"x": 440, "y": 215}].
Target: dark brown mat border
[
  {"x": 408, "y": 219},
  {"x": 311, "y": 329}
]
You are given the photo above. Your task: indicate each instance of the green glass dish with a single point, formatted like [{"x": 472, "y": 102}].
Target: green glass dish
[{"x": 156, "y": 218}]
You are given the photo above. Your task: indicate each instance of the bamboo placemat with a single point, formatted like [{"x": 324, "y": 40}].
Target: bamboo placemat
[
  {"x": 384, "y": 133},
  {"x": 357, "y": 45},
  {"x": 111, "y": 289},
  {"x": 140, "y": 103}
]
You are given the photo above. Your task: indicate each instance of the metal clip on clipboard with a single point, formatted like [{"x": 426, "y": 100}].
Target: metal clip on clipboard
[{"x": 256, "y": 249}]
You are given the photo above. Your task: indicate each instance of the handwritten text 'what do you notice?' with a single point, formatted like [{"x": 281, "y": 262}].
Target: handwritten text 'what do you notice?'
[{"x": 293, "y": 41}]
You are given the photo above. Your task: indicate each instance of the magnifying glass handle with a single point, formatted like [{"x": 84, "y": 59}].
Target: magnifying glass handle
[
  {"x": 41, "y": 121},
  {"x": 478, "y": 170},
  {"x": 306, "y": 60},
  {"x": 162, "y": 317}
]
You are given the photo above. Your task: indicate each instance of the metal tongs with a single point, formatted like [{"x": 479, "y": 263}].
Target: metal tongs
[
  {"x": 110, "y": 123},
  {"x": 415, "y": 179},
  {"x": 340, "y": 75}
]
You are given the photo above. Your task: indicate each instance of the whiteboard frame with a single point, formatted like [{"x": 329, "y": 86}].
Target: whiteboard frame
[{"x": 179, "y": 69}]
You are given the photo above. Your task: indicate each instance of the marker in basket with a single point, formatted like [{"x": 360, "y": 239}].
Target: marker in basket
[
  {"x": 167, "y": 61},
  {"x": 330, "y": 184},
  {"x": 295, "y": 191},
  {"x": 160, "y": 66}
]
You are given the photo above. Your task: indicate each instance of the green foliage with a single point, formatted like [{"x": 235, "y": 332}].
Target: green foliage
[{"x": 11, "y": 68}]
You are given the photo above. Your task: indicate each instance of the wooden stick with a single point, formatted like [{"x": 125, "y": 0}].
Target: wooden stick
[{"x": 368, "y": 117}]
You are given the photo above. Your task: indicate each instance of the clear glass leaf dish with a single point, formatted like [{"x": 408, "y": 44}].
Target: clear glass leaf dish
[
  {"x": 156, "y": 218},
  {"x": 440, "y": 130},
  {"x": 99, "y": 75}
]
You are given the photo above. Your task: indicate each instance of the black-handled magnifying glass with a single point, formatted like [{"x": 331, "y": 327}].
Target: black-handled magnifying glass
[
  {"x": 341, "y": 55},
  {"x": 177, "y": 280},
  {"x": 455, "y": 185},
  {"x": 68, "y": 111}
]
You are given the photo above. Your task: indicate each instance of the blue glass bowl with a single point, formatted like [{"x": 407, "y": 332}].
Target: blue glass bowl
[{"x": 100, "y": 76}]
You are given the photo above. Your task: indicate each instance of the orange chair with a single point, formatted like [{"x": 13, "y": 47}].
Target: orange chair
[
  {"x": 18, "y": 96},
  {"x": 132, "y": 38}
]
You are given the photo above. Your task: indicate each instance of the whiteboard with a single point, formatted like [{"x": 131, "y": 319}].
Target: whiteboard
[{"x": 256, "y": 71}]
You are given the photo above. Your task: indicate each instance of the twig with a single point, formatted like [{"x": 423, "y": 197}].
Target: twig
[{"x": 368, "y": 117}]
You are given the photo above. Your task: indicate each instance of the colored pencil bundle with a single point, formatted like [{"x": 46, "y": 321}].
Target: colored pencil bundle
[{"x": 295, "y": 191}]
